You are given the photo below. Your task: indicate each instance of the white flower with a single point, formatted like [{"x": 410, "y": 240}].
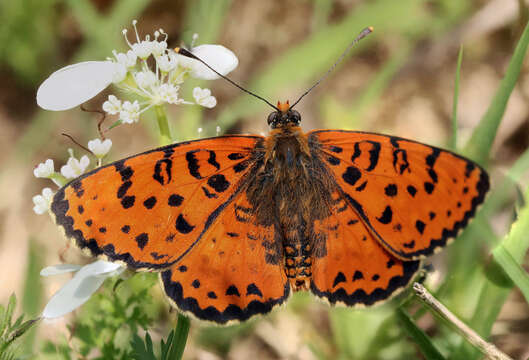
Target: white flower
[
  {"x": 130, "y": 112},
  {"x": 75, "y": 84},
  {"x": 74, "y": 167},
  {"x": 42, "y": 202},
  {"x": 145, "y": 79},
  {"x": 167, "y": 62},
  {"x": 218, "y": 57},
  {"x": 112, "y": 106},
  {"x": 80, "y": 288},
  {"x": 128, "y": 60},
  {"x": 44, "y": 170},
  {"x": 203, "y": 97},
  {"x": 153, "y": 83},
  {"x": 100, "y": 148},
  {"x": 169, "y": 93}
]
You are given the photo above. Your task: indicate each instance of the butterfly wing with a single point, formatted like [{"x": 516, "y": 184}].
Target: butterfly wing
[
  {"x": 354, "y": 269},
  {"x": 148, "y": 211},
  {"x": 413, "y": 197},
  {"x": 234, "y": 273}
]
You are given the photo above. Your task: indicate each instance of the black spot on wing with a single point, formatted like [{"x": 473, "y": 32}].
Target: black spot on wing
[
  {"x": 340, "y": 278},
  {"x": 411, "y": 190},
  {"x": 128, "y": 202},
  {"x": 236, "y": 156},
  {"x": 142, "y": 240},
  {"x": 212, "y": 160},
  {"x": 175, "y": 200},
  {"x": 182, "y": 226},
  {"x": 192, "y": 164},
  {"x": 351, "y": 175},
  {"x": 386, "y": 216},
  {"x": 232, "y": 290},
  {"x": 208, "y": 193},
  {"x": 150, "y": 202},
  {"x": 252, "y": 289},
  {"x": 391, "y": 190},
  {"x": 358, "y": 275},
  {"x": 122, "y": 190},
  {"x": 162, "y": 171},
  {"x": 125, "y": 229},
  {"x": 419, "y": 225},
  {"x": 218, "y": 183}
]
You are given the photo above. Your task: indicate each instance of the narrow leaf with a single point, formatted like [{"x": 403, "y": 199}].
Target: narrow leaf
[
  {"x": 480, "y": 144},
  {"x": 425, "y": 344}
]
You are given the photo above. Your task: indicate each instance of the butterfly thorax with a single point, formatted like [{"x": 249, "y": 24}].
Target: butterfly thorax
[{"x": 287, "y": 176}]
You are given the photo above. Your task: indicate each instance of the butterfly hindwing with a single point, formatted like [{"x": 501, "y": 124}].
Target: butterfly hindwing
[
  {"x": 354, "y": 269},
  {"x": 150, "y": 209},
  {"x": 413, "y": 197},
  {"x": 235, "y": 271}
]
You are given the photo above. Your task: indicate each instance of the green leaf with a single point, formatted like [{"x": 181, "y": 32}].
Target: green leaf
[
  {"x": 511, "y": 267},
  {"x": 180, "y": 337},
  {"x": 453, "y": 139},
  {"x": 480, "y": 144},
  {"x": 422, "y": 340}
]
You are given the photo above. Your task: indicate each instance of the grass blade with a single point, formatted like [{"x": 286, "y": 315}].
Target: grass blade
[
  {"x": 479, "y": 145},
  {"x": 453, "y": 139},
  {"x": 422, "y": 340}
]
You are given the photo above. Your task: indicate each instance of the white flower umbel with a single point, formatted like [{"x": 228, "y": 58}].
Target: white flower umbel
[
  {"x": 74, "y": 167},
  {"x": 45, "y": 169},
  {"x": 100, "y": 148},
  {"x": 131, "y": 72},
  {"x": 80, "y": 288},
  {"x": 203, "y": 97},
  {"x": 42, "y": 202}
]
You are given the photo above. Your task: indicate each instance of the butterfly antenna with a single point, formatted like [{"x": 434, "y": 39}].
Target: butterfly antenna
[
  {"x": 363, "y": 34},
  {"x": 188, "y": 54},
  {"x": 77, "y": 143}
]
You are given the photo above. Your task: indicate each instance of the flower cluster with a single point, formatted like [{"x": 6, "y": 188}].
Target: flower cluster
[{"x": 130, "y": 72}]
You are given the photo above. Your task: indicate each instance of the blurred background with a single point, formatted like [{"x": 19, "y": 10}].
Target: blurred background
[{"x": 400, "y": 81}]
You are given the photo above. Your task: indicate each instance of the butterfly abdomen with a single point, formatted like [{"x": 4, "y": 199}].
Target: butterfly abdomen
[{"x": 292, "y": 177}]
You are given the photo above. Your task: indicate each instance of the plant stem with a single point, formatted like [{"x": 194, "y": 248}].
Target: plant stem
[
  {"x": 180, "y": 337},
  {"x": 163, "y": 124},
  {"x": 489, "y": 350}
]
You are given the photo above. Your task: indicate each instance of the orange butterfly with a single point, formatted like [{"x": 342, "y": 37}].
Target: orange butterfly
[{"x": 235, "y": 223}]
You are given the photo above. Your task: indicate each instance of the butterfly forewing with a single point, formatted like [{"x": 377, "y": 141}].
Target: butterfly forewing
[
  {"x": 149, "y": 210},
  {"x": 413, "y": 197}
]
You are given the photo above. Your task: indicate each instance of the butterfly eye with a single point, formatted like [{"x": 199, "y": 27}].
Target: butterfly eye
[
  {"x": 294, "y": 117},
  {"x": 272, "y": 119}
]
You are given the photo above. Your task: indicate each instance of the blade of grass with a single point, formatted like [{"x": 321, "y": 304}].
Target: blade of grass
[
  {"x": 180, "y": 337},
  {"x": 480, "y": 144},
  {"x": 453, "y": 139},
  {"x": 426, "y": 347},
  {"x": 511, "y": 267}
]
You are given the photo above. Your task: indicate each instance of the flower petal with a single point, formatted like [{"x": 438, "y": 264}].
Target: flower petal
[
  {"x": 75, "y": 84},
  {"x": 79, "y": 289},
  {"x": 217, "y": 56},
  {"x": 59, "y": 269}
]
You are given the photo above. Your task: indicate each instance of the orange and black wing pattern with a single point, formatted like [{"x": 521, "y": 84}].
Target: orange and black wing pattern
[
  {"x": 354, "y": 268},
  {"x": 235, "y": 272},
  {"x": 150, "y": 210},
  {"x": 412, "y": 197}
]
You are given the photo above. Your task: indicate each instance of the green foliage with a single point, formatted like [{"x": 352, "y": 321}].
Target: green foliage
[
  {"x": 110, "y": 319},
  {"x": 12, "y": 330},
  {"x": 173, "y": 349},
  {"x": 479, "y": 145}
]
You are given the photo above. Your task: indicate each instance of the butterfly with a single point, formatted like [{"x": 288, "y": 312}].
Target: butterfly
[{"x": 235, "y": 224}]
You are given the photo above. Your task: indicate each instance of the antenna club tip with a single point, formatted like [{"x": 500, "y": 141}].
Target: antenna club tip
[
  {"x": 371, "y": 28},
  {"x": 176, "y": 49}
]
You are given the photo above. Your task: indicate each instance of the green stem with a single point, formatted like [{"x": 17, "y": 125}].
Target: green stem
[
  {"x": 180, "y": 337},
  {"x": 163, "y": 124}
]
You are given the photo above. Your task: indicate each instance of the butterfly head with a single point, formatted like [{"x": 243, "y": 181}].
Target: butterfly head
[{"x": 284, "y": 116}]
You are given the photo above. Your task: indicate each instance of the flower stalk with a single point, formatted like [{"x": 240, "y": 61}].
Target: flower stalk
[{"x": 163, "y": 125}]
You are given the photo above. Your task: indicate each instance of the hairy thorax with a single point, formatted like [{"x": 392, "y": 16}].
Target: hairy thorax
[{"x": 292, "y": 190}]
